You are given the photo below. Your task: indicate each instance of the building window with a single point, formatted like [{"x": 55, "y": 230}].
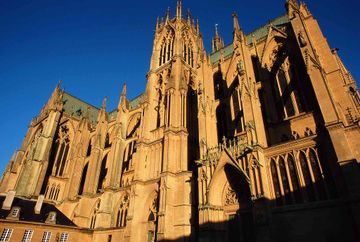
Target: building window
[
  {"x": 93, "y": 217},
  {"x": 64, "y": 237},
  {"x": 46, "y": 236},
  {"x": 83, "y": 179},
  {"x": 285, "y": 180},
  {"x": 109, "y": 238},
  {"x": 294, "y": 178},
  {"x": 355, "y": 95},
  {"x": 166, "y": 50},
  {"x": 15, "y": 212},
  {"x": 307, "y": 176},
  {"x": 27, "y": 235},
  {"x": 318, "y": 177},
  {"x": 6, "y": 235},
  {"x": 62, "y": 147},
  {"x": 122, "y": 212},
  {"x": 276, "y": 183},
  {"x": 286, "y": 97}
]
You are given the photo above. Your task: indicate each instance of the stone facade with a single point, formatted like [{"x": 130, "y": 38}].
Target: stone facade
[{"x": 257, "y": 141}]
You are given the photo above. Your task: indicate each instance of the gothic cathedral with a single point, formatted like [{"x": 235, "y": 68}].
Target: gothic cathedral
[{"x": 257, "y": 141}]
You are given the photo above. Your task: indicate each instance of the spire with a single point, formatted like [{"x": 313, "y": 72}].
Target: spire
[
  {"x": 237, "y": 30},
  {"x": 55, "y": 101},
  {"x": 217, "y": 43},
  {"x": 103, "y": 106},
  {"x": 102, "y": 114},
  {"x": 188, "y": 18},
  {"x": 167, "y": 14},
  {"x": 157, "y": 24},
  {"x": 236, "y": 22},
  {"x": 178, "y": 9},
  {"x": 122, "y": 102}
]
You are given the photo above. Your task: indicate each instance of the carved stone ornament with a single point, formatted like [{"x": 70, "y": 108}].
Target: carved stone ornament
[
  {"x": 302, "y": 40},
  {"x": 231, "y": 197}
]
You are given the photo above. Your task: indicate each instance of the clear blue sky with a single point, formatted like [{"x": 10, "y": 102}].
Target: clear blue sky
[{"x": 96, "y": 46}]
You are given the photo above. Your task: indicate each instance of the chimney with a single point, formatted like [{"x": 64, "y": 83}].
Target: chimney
[
  {"x": 39, "y": 204},
  {"x": 8, "y": 200}
]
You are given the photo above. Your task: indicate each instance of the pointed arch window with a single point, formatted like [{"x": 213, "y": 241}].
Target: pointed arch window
[
  {"x": 294, "y": 178},
  {"x": 62, "y": 147},
  {"x": 307, "y": 176},
  {"x": 83, "y": 179},
  {"x": 275, "y": 180},
  {"x": 93, "y": 215},
  {"x": 319, "y": 182},
  {"x": 355, "y": 95},
  {"x": 188, "y": 54},
  {"x": 285, "y": 180},
  {"x": 122, "y": 212},
  {"x": 166, "y": 50},
  {"x": 286, "y": 96},
  {"x": 102, "y": 174},
  {"x": 238, "y": 113}
]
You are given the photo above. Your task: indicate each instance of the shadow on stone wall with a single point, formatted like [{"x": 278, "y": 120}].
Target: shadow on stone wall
[{"x": 324, "y": 219}]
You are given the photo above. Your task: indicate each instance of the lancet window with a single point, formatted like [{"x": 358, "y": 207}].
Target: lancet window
[
  {"x": 52, "y": 192},
  {"x": 122, "y": 212},
  {"x": 238, "y": 114},
  {"x": 102, "y": 174},
  {"x": 355, "y": 95},
  {"x": 289, "y": 176},
  {"x": 286, "y": 96},
  {"x": 188, "y": 54},
  {"x": 93, "y": 215},
  {"x": 83, "y": 179},
  {"x": 62, "y": 147},
  {"x": 128, "y": 156},
  {"x": 166, "y": 50}
]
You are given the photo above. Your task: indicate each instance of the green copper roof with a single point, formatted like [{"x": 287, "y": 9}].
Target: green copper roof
[
  {"x": 136, "y": 101},
  {"x": 77, "y": 108},
  {"x": 263, "y": 31},
  {"x": 258, "y": 34},
  {"x": 226, "y": 52}
]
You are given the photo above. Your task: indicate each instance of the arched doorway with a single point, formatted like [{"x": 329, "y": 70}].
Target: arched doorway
[{"x": 237, "y": 205}]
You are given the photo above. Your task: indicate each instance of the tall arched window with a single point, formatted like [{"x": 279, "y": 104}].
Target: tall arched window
[
  {"x": 355, "y": 95},
  {"x": 188, "y": 53},
  {"x": 319, "y": 182},
  {"x": 93, "y": 215},
  {"x": 102, "y": 174},
  {"x": 237, "y": 107},
  {"x": 122, "y": 212},
  {"x": 276, "y": 182},
  {"x": 62, "y": 146},
  {"x": 83, "y": 179},
  {"x": 307, "y": 177},
  {"x": 285, "y": 180},
  {"x": 287, "y": 98},
  {"x": 294, "y": 178},
  {"x": 166, "y": 49}
]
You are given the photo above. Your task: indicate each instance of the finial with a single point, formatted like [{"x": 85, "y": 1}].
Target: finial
[
  {"x": 197, "y": 26},
  {"x": 59, "y": 84},
  {"x": 123, "y": 92},
  {"x": 168, "y": 14},
  {"x": 188, "y": 17},
  {"x": 103, "y": 106},
  {"x": 216, "y": 30},
  {"x": 179, "y": 9},
  {"x": 157, "y": 23}
]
